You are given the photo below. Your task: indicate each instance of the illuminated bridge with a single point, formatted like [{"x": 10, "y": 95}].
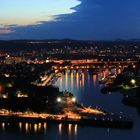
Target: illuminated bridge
[{"x": 89, "y": 64}]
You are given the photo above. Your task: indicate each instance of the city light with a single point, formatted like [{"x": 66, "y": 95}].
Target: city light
[
  {"x": 70, "y": 72},
  {"x": 133, "y": 81},
  {"x": 58, "y": 99},
  {"x": 7, "y": 75},
  {"x": 74, "y": 99},
  {"x": 47, "y": 61}
]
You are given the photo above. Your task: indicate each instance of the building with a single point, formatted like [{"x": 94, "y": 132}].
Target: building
[{"x": 13, "y": 60}]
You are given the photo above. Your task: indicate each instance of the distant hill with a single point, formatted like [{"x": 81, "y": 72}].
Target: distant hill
[{"x": 55, "y": 43}]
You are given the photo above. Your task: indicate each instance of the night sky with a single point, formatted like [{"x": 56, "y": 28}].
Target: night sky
[{"x": 57, "y": 19}]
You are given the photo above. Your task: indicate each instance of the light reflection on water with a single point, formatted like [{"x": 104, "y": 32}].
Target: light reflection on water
[
  {"x": 29, "y": 128},
  {"x": 60, "y": 128},
  {"x": 35, "y": 127},
  {"x": 83, "y": 85},
  {"x": 88, "y": 93},
  {"x": 66, "y": 79},
  {"x": 86, "y": 89},
  {"x": 76, "y": 129},
  {"x": 71, "y": 79},
  {"x": 79, "y": 80},
  {"x": 3, "y": 126},
  {"x": 45, "y": 126}
]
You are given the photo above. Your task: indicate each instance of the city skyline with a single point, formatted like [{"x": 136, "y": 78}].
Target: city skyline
[
  {"x": 75, "y": 19},
  {"x": 69, "y": 69}
]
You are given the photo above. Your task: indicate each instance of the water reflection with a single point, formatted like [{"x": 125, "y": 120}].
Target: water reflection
[
  {"x": 75, "y": 129},
  {"x": 94, "y": 79},
  {"x": 39, "y": 126},
  {"x": 60, "y": 128},
  {"x": 83, "y": 79},
  {"x": 77, "y": 80},
  {"x": 28, "y": 128},
  {"x": 60, "y": 82},
  {"x": 45, "y": 127},
  {"x": 66, "y": 79},
  {"x": 3, "y": 126},
  {"x": 35, "y": 127},
  {"x": 71, "y": 79},
  {"x": 69, "y": 129},
  {"x": 20, "y": 126}
]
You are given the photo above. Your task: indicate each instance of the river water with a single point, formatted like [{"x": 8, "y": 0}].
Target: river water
[{"x": 86, "y": 89}]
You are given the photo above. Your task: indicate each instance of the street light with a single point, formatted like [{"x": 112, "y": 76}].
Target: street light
[
  {"x": 47, "y": 61},
  {"x": 74, "y": 99},
  {"x": 58, "y": 99},
  {"x": 133, "y": 81}
]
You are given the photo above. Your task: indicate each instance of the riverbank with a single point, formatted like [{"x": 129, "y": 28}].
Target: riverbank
[
  {"x": 130, "y": 95},
  {"x": 13, "y": 120}
]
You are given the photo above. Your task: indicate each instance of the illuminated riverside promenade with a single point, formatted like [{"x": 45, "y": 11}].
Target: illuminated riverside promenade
[
  {"x": 69, "y": 112},
  {"x": 72, "y": 115}
]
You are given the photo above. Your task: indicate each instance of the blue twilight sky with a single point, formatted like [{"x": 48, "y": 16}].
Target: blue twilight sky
[{"x": 75, "y": 19}]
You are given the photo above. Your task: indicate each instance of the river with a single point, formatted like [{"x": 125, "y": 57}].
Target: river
[{"x": 86, "y": 89}]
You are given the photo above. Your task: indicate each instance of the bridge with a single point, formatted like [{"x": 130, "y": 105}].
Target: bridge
[{"x": 90, "y": 64}]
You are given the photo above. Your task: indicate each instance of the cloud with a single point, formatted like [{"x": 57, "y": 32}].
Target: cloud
[
  {"x": 31, "y": 12},
  {"x": 17, "y": 13},
  {"x": 6, "y": 29}
]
